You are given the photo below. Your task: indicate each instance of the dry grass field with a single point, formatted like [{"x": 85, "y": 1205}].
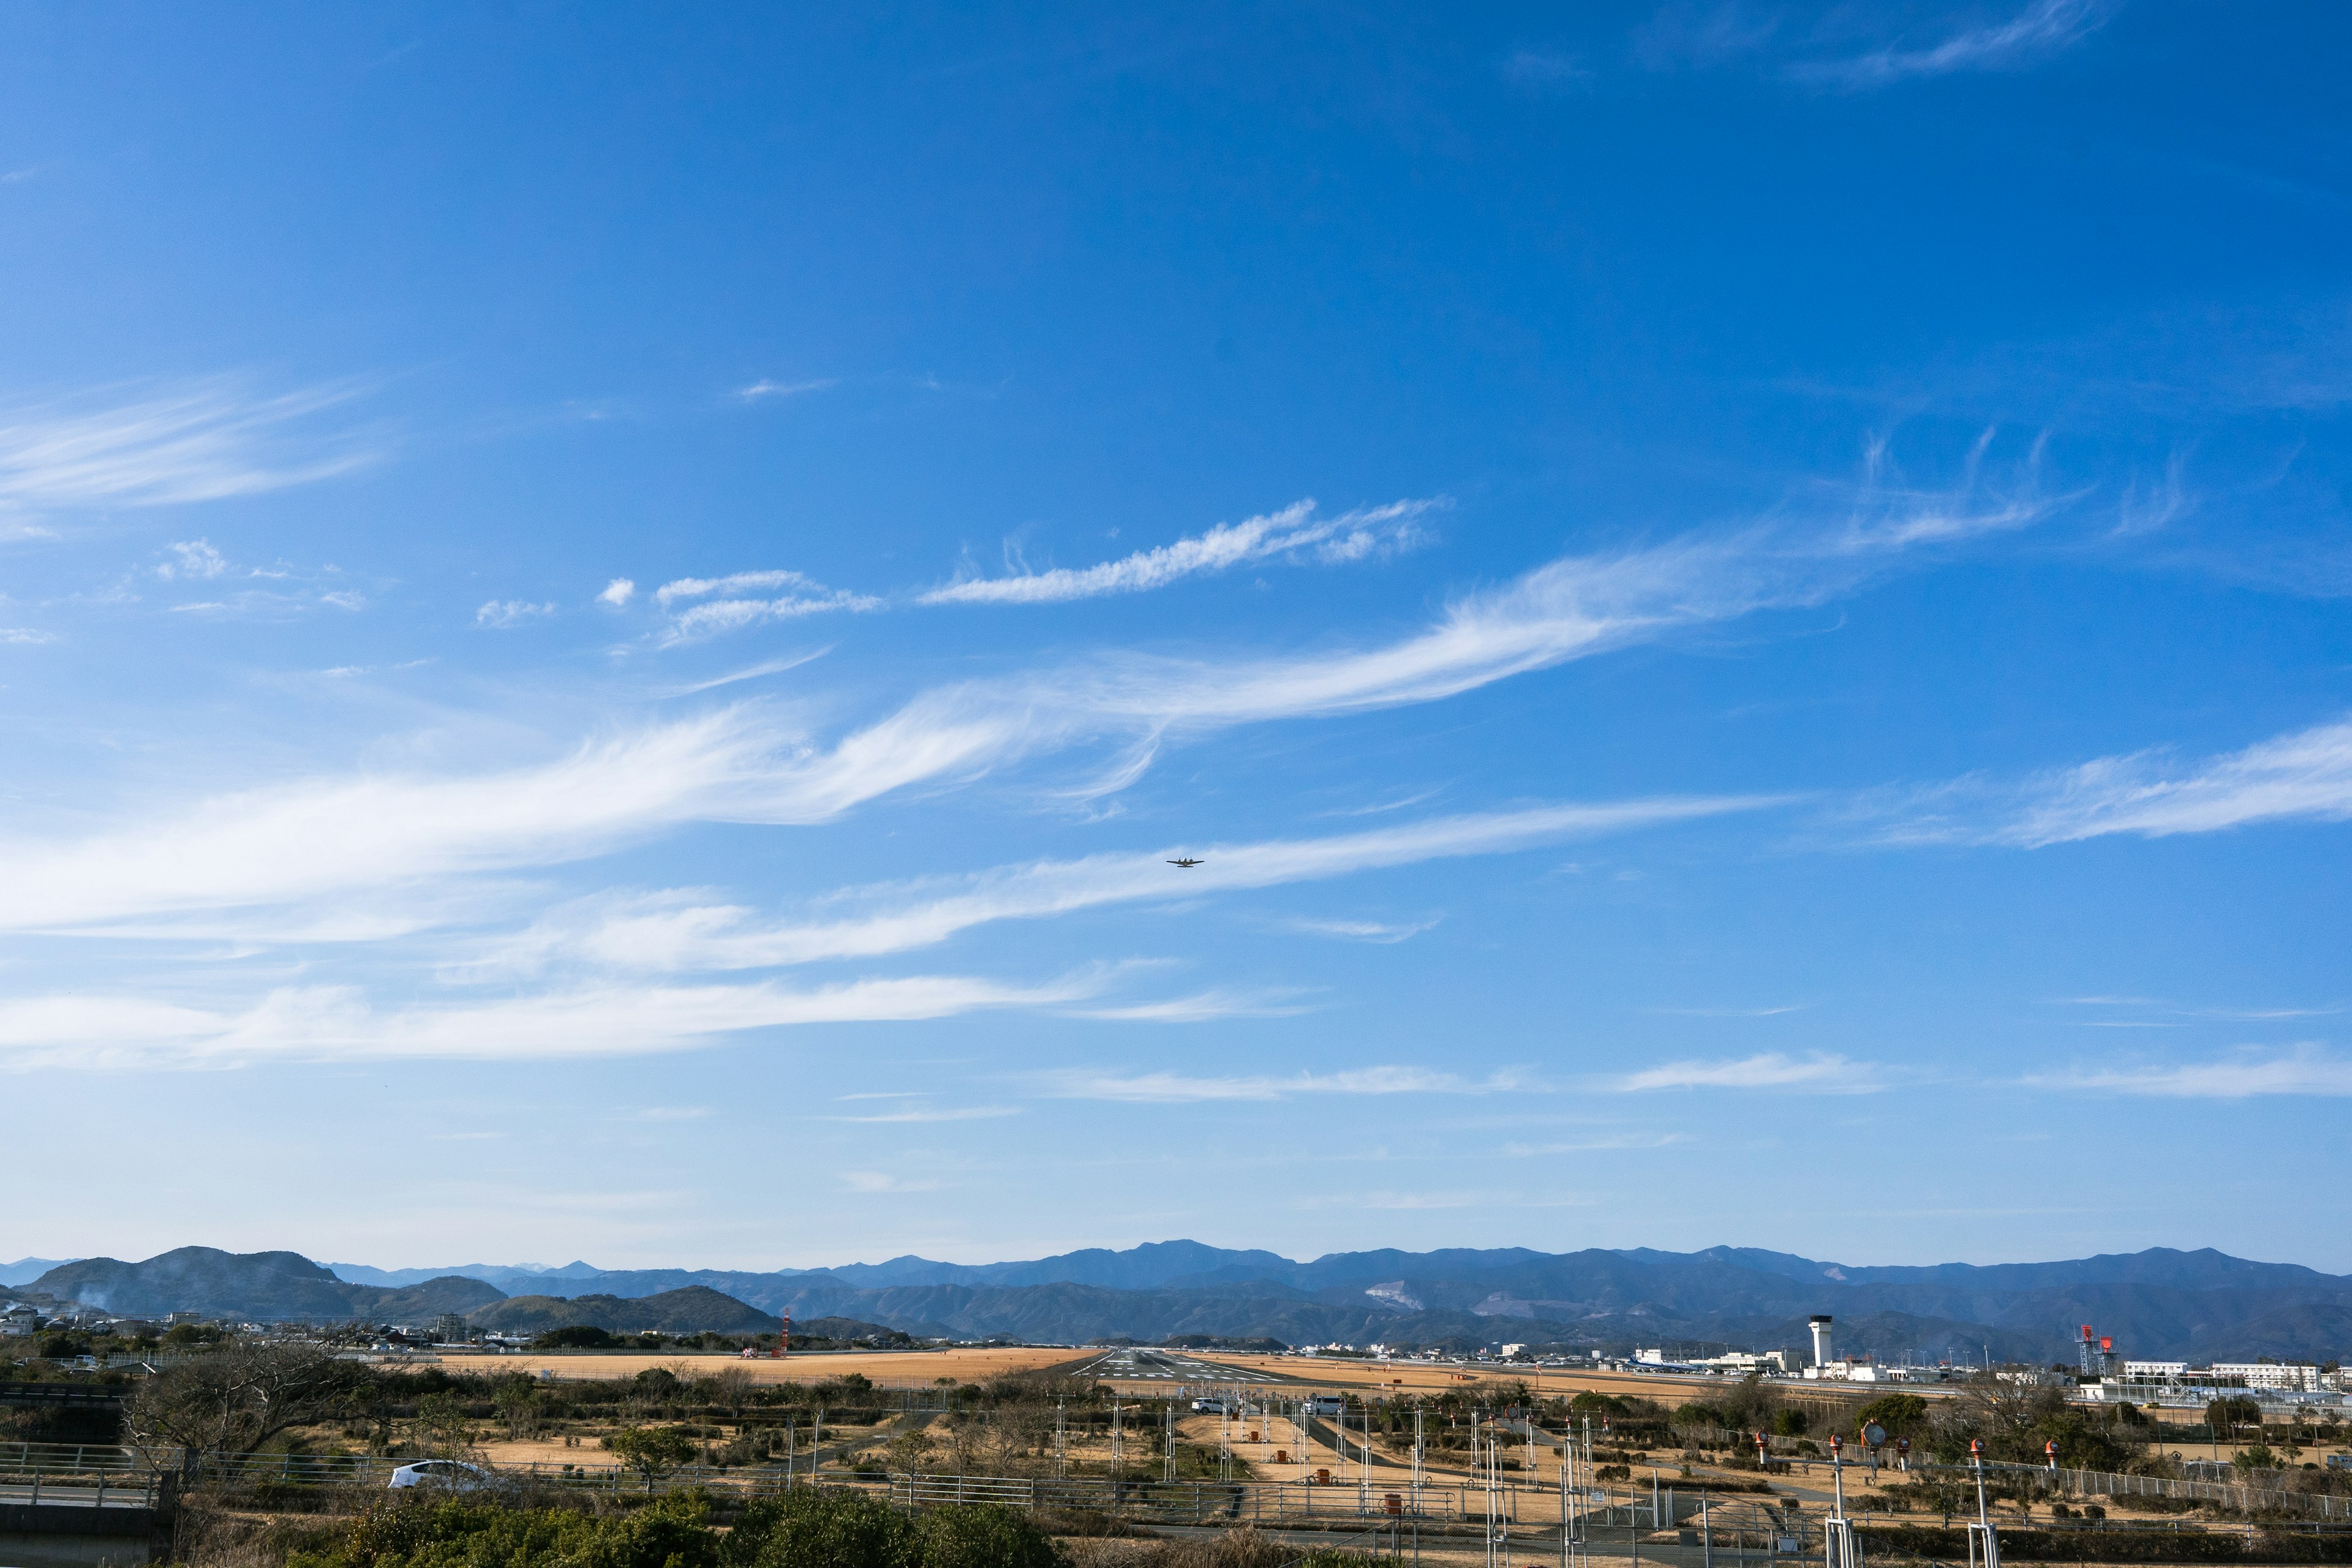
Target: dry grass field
[{"x": 891, "y": 1369}]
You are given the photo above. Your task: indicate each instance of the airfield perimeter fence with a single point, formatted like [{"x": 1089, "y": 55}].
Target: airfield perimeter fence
[{"x": 1268, "y": 1502}]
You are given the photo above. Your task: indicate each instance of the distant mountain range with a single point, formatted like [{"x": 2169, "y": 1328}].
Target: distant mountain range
[
  {"x": 2159, "y": 1303},
  {"x": 257, "y": 1285},
  {"x": 25, "y": 1270}
]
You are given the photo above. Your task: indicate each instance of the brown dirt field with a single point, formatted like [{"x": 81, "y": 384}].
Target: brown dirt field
[
  {"x": 895, "y": 1369},
  {"x": 1409, "y": 1377}
]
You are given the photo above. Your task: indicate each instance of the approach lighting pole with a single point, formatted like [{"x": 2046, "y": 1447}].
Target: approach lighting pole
[
  {"x": 1984, "y": 1546},
  {"x": 1839, "y": 1547}
]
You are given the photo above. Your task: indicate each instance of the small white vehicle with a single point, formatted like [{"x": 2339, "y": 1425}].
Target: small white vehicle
[{"x": 448, "y": 1474}]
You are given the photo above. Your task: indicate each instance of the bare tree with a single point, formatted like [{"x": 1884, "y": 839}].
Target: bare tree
[
  {"x": 518, "y": 1401},
  {"x": 235, "y": 1399},
  {"x": 730, "y": 1387}
]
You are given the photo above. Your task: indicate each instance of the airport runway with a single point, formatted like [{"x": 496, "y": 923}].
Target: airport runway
[{"x": 1141, "y": 1364}]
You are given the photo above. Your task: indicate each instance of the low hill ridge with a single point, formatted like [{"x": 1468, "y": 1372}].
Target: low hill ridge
[{"x": 2161, "y": 1302}]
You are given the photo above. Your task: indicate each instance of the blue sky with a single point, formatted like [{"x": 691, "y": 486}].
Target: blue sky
[{"x": 610, "y": 619}]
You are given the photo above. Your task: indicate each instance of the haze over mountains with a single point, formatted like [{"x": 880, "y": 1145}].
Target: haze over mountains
[{"x": 2157, "y": 1303}]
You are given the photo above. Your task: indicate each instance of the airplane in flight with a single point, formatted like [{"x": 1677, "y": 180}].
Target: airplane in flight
[{"x": 1188, "y": 862}]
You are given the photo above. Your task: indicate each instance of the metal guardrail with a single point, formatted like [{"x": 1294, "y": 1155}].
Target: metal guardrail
[
  {"x": 17, "y": 1459},
  {"x": 76, "y": 1488},
  {"x": 63, "y": 1395}
]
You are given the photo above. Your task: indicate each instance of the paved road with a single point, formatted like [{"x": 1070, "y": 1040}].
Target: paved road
[{"x": 1145, "y": 1364}]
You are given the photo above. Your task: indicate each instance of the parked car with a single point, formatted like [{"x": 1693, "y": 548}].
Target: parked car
[
  {"x": 1208, "y": 1407},
  {"x": 451, "y": 1475}
]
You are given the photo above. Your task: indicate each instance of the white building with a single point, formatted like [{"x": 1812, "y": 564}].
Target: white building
[
  {"x": 2300, "y": 1379},
  {"x": 2155, "y": 1371}
]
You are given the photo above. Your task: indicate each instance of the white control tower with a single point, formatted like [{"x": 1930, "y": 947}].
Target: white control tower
[{"x": 1819, "y": 1324}]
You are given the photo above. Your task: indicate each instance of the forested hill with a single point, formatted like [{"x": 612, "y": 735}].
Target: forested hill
[{"x": 2155, "y": 1304}]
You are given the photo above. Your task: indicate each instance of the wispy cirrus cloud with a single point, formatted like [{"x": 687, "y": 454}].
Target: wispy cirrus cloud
[
  {"x": 1604, "y": 1144},
  {"x": 341, "y": 1023},
  {"x": 2304, "y": 777},
  {"x": 290, "y": 843},
  {"x": 745, "y": 598},
  {"x": 2250, "y": 1073},
  {"x": 176, "y": 443},
  {"x": 1822, "y": 1073},
  {"x": 505, "y": 614},
  {"x": 1164, "y": 1087},
  {"x": 745, "y": 764},
  {"x": 1382, "y": 931},
  {"x": 193, "y": 559},
  {"x": 887, "y": 1182},
  {"x": 1294, "y": 530},
  {"x": 677, "y": 932},
  {"x": 2044, "y": 29},
  {"x": 935, "y": 1113},
  {"x": 764, "y": 389}
]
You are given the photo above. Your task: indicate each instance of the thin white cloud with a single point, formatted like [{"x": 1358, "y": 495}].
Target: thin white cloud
[
  {"x": 885, "y": 1182},
  {"x": 726, "y": 608},
  {"x": 1199, "y": 1008},
  {"x": 1294, "y": 530},
  {"x": 753, "y": 673},
  {"x": 27, "y": 637},
  {"x": 194, "y": 441},
  {"x": 731, "y": 585},
  {"x": 944, "y": 1113},
  {"x": 1358, "y": 930},
  {"x": 503, "y": 614},
  {"x": 2044, "y": 29},
  {"x": 1770, "y": 1012},
  {"x": 2254, "y": 1072},
  {"x": 763, "y": 388},
  {"x": 1177, "y": 1088},
  {"x": 1617, "y": 1143},
  {"x": 2304, "y": 777},
  {"x": 1769, "y": 1071},
  {"x": 340, "y": 1023},
  {"x": 617, "y": 593},
  {"x": 326, "y": 834},
  {"x": 677, "y": 933},
  {"x": 193, "y": 559},
  {"x": 389, "y": 831}
]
